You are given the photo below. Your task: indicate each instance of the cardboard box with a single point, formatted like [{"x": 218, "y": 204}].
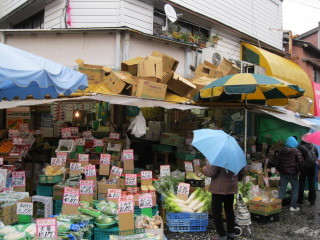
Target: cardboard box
[
  {"x": 293, "y": 105},
  {"x": 147, "y": 89},
  {"x": 103, "y": 187},
  {"x": 172, "y": 139},
  {"x": 168, "y": 63},
  {"x": 10, "y": 219},
  {"x": 180, "y": 85},
  {"x": 154, "y": 131},
  {"x": 12, "y": 209},
  {"x": 95, "y": 73},
  {"x": 150, "y": 67},
  {"x": 265, "y": 208},
  {"x": 134, "y": 86},
  {"x": 131, "y": 65},
  {"x": 118, "y": 80},
  {"x": 227, "y": 67},
  {"x": 166, "y": 77}
]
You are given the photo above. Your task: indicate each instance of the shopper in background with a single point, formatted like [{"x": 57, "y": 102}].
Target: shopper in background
[
  {"x": 224, "y": 185},
  {"x": 289, "y": 163},
  {"x": 310, "y": 155}
]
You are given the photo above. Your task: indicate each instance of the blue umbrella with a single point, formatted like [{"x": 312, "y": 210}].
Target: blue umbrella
[
  {"x": 23, "y": 74},
  {"x": 220, "y": 149}
]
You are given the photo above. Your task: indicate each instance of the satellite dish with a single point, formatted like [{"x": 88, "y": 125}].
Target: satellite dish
[
  {"x": 216, "y": 59},
  {"x": 170, "y": 13}
]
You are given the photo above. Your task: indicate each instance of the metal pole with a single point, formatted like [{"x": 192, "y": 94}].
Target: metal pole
[{"x": 245, "y": 130}]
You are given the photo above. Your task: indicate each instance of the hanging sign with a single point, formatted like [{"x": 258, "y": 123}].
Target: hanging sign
[
  {"x": 86, "y": 187},
  {"x": 66, "y": 133},
  {"x": 46, "y": 228},
  {"x": 145, "y": 200},
  {"x": 131, "y": 179},
  {"x": 164, "y": 170},
  {"x": 23, "y": 127},
  {"x": 87, "y": 134},
  {"x": 80, "y": 141},
  {"x": 58, "y": 161},
  {"x": 13, "y": 133},
  {"x": 188, "y": 166},
  {"x": 98, "y": 143},
  {"x": 104, "y": 168},
  {"x": 114, "y": 136},
  {"x": 83, "y": 159},
  {"x": 25, "y": 208},
  {"x": 75, "y": 168},
  {"x": 115, "y": 172},
  {"x": 183, "y": 191}
]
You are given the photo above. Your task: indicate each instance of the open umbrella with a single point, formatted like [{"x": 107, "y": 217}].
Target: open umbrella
[
  {"x": 23, "y": 74},
  {"x": 220, "y": 149},
  {"x": 312, "y": 138},
  {"x": 252, "y": 88}
]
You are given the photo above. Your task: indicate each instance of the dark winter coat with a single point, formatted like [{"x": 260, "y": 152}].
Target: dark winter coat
[{"x": 289, "y": 161}]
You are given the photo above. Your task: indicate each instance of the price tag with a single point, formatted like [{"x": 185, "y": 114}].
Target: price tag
[
  {"x": 183, "y": 188},
  {"x": 46, "y": 228},
  {"x": 105, "y": 159},
  {"x": 87, "y": 134},
  {"x": 116, "y": 171},
  {"x": 1, "y": 161},
  {"x": 164, "y": 170},
  {"x": 23, "y": 127},
  {"x": 131, "y": 179},
  {"x": 66, "y": 133},
  {"x": 273, "y": 170},
  {"x": 83, "y": 157},
  {"x": 114, "y": 193},
  {"x": 146, "y": 175},
  {"x": 74, "y": 131},
  {"x": 19, "y": 179},
  {"x": 207, "y": 181},
  {"x": 13, "y": 133},
  {"x": 126, "y": 204},
  {"x": 98, "y": 143},
  {"x": 86, "y": 187},
  {"x": 114, "y": 136},
  {"x": 127, "y": 154},
  {"x": 80, "y": 141},
  {"x": 24, "y": 208},
  {"x": 71, "y": 196},
  {"x": 58, "y": 161},
  {"x": 188, "y": 166},
  {"x": 75, "y": 166},
  {"x": 196, "y": 162},
  {"x": 188, "y": 141},
  {"x": 17, "y": 141},
  {"x": 90, "y": 171},
  {"x": 62, "y": 155},
  {"x": 114, "y": 147},
  {"x": 145, "y": 200}
]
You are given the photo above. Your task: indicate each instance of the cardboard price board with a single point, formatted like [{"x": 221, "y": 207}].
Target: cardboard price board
[
  {"x": 114, "y": 195},
  {"x": 13, "y": 133},
  {"x": 188, "y": 167},
  {"x": 90, "y": 172},
  {"x": 74, "y": 131},
  {"x": 104, "y": 168},
  {"x": 128, "y": 159},
  {"x": 183, "y": 191},
  {"x": 70, "y": 201},
  {"x": 83, "y": 159},
  {"x": 19, "y": 181},
  {"x": 58, "y": 161},
  {"x": 86, "y": 190},
  {"x": 131, "y": 180},
  {"x": 146, "y": 178},
  {"x": 17, "y": 141},
  {"x": 164, "y": 170},
  {"x": 1, "y": 161},
  {"x": 80, "y": 141},
  {"x": 145, "y": 200},
  {"x": 62, "y": 155},
  {"x": 75, "y": 168},
  {"x": 87, "y": 134},
  {"x": 116, "y": 147},
  {"x": 98, "y": 143},
  {"x": 115, "y": 172},
  {"x": 114, "y": 136},
  {"x": 46, "y": 228},
  {"x": 25, "y": 208},
  {"x": 196, "y": 165},
  {"x": 126, "y": 213},
  {"x": 207, "y": 182},
  {"x": 66, "y": 133},
  {"x": 23, "y": 127}
]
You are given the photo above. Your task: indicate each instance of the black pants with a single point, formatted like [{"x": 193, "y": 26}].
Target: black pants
[
  {"x": 227, "y": 201},
  {"x": 311, "y": 174}
]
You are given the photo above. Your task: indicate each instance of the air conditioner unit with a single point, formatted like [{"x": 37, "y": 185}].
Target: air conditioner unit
[{"x": 255, "y": 69}]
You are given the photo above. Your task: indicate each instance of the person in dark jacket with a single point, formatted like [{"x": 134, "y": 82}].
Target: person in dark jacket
[
  {"x": 308, "y": 171},
  {"x": 289, "y": 163},
  {"x": 224, "y": 184}
]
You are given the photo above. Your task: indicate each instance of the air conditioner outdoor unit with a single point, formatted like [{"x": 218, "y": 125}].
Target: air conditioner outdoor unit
[{"x": 255, "y": 69}]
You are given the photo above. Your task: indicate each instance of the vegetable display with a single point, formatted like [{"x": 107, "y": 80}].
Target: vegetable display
[{"x": 168, "y": 185}]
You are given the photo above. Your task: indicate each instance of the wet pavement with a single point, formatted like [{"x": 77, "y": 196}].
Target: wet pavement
[{"x": 304, "y": 224}]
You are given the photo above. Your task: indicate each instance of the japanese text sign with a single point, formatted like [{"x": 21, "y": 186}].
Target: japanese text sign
[
  {"x": 90, "y": 171},
  {"x": 80, "y": 141},
  {"x": 83, "y": 158},
  {"x": 86, "y": 187},
  {"x": 75, "y": 166},
  {"x": 116, "y": 171},
  {"x": 98, "y": 143},
  {"x": 127, "y": 154},
  {"x": 24, "y": 208},
  {"x": 164, "y": 170},
  {"x": 66, "y": 133},
  {"x": 46, "y": 228},
  {"x": 58, "y": 161},
  {"x": 126, "y": 204},
  {"x": 188, "y": 166},
  {"x": 183, "y": 188},
  {"x": 145, "y": 200},
  {"x": 114, "y": 193},
  {"x": 105, "y": 159},
  {"x": 87, "y": 134},
  {"x": 19, "y": 179},
  {"x": 131, "y": 179},
  {"x": 114, "y": 136},
  {"x": 146, "y": 175},
  {"x": 71, "y": 196}
]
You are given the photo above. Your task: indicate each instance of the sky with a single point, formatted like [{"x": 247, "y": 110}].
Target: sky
[{"x": 300, "y": 16}]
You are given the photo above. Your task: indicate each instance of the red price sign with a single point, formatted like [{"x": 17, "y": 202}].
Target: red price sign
[
  {"x": 183, "y": 188},
  {"x": 188, "y": 166},
  {"x": 80, "y": 141},
  {"x": 83, "y": 157},
  {"x": 23, "y": 127},
  {"x": 196, "y": 162},
  {"x": 13, "y": 133},
  {"x": 1, "y": 161},
  {"x": 87, "y": 134},
  {"x": 46, "y": 228},
  {"x": 86, "y": 187},
  {"x": 74, "y": 131},
  {"x": 71, "y": 196},
  {"x": 19, "y": 179},
  {"x": 131, "y": 179},
  {"x": 105, "y": 159},
  {"x": 17, "y": 141},
  {"x": 66, "y": 133},
  {"x": 58, "y": 161},
  {"x": 114, "y": 136},
  {"x": 127, "y": 154},
  {"x": 145, "y": 200},
  {"x": 164, "y": 170},
  {"x": 126, "y": 204},
  {"x": 114, "y": 193},
  {"x": 145, "y": 175},
  {"x": 75, "y": 166},
  {"x": 90, "y": 171},
  {"x": 98, "y": 143},
  {"x": 24, "y": 208},
  {"x": 62, "y": 155},
  {"x": 116, "y": 171}
]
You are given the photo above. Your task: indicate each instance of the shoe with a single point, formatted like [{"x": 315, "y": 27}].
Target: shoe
[{"x": 292, "y": 209}]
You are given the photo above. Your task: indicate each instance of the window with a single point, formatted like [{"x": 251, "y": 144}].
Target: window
[
  {"x": 316, "y": 75},
  {"x": 34, "y": 22}
]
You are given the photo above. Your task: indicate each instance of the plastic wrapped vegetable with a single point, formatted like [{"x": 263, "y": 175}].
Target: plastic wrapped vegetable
[
  {"x": 14, "y": 236},
  {"x": 103, "y": 219},
  {"x": 108, "y": 208},
  {"x": 7, "y": 230}
]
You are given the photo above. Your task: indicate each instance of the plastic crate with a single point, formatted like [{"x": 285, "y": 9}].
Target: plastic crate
[
  {"x": 24, "y": 219},
  {"x": 88, "y": 235},
  {"x": 45, "y": 190},
  {"x": 187, "y": 229},
  {"x": 137, "y": 210},
  {"x": 185, "y": 156},
  {"x": 192, "y": 222},
  {"x": 187, "y": 216},
  {"x": 50, "y": 179},
  {"x": 161, "y": 148},
  {"x": 57, "y": 206},
  {"x": 103, "y": 234}
]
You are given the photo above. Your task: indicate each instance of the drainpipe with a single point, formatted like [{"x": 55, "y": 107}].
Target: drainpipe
[
  {"x": 118, "y": 50},
  {"x": 3, "y": 38}
]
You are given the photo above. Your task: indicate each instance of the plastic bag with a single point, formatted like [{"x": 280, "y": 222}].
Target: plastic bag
[{"x": 138, "y": 126}]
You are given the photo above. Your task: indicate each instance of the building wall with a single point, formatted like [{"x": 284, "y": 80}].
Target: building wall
[
  {"x": 299, "y": 52},
  {"x": 313, "y": 38},
  {"x": 8, "y": 6},
  {"x": 53, "y": 14}
]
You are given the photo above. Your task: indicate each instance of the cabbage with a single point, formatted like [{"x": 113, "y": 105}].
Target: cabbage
[
  {"x": 103, "y": 219},
  {"x": 108, "y": 208}
]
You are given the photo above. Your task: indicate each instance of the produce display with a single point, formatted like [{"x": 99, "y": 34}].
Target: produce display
[
  {"x": 71, "y": 181},
  {"x": 21, "y": 231},
  {"x": 54, "y": 170},
  {"x": 5, "y": 147},
  {"x": 148, "y": 223},
  {"x": 9, "y": 198},
  {"x": 144, "y": 236}
]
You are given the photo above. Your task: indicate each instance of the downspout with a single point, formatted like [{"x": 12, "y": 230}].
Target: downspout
[{"x": 3, "y": 38}]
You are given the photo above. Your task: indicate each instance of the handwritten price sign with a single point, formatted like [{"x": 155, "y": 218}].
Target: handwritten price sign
[
  {"x": 146, "y": 175},
  {"x": 126, "y": 204},
  {"x": 98, "y": 143},
  {"x": 75, "y": 166},
  {"x": 105, "y": 159},
  {"x": 58, "y": 161},
  {"x": 66, "y": 133},
  {"x": 13, "y": 133},
  {"x": 83, "y": 157},
  {"x": 19, "y": 179},
  {"x": 145, "y": 200},
  {"x": 127, "y": 154},
  {"x": 87, "y": 134},
  {"x": 164, "y": 170},
  {"x": 23, "y": 127},
  {"x": 80, "y": 141},
  {"x": 24, "y": 208},
  {"x": 90, "y": 171},
  {"x": 114, "y": 193},
  {"x": 86, "y": 187},
  {"x": 207, "y": 181},
  {"x": 62, "y": 155},
  {"x": 74, "y": 131},
  {"x": 114, "y": 147},
  {"x": 188, "y": 166},
  {"x": 17, "y": 141},
  {"x": 71, "y": 196},
  {"x": 131, "y": 179},
  {"x": 183, "y": 188},
  {"x": 196, "y": 162},
  {"x": 116, "y": 171},
  {"x": 114, "y": 136},
  {"x": 1, "y": 161},
  {"x": 46, "y": 228}
]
